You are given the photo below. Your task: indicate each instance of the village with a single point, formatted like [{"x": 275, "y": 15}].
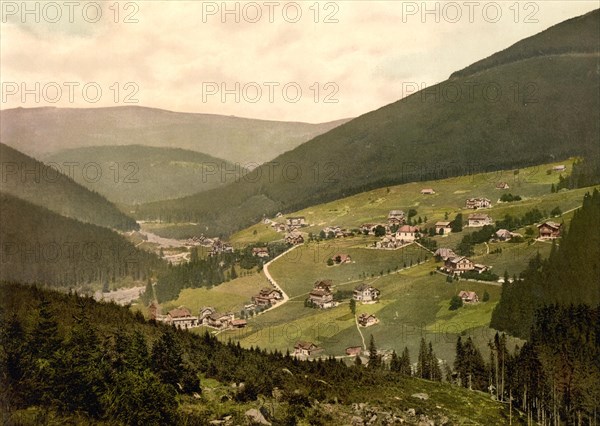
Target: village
[{"x": 400, "y": 230}]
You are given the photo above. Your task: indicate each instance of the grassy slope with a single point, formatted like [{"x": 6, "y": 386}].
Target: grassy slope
[
  {"x": 427, "y": 136},
  {"x": 46, "y": 130},
  {"x": 33, "y": 181},
  {"x": 139, "y": 174},
  {"x": 532, "y": 183},
  {"x": 414, "y": 303}
]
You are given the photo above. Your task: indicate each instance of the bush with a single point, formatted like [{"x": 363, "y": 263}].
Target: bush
[{"x": 455, "y": 303}]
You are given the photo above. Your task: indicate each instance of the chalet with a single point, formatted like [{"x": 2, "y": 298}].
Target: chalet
[
  {"x": 267, "y": 296},
  {"x": 479, "y": 268},
  {"x": 503, "y": 235},
  {"x": 342, "y": 258},
  {"x": 219, "y": 246},
  {"x": 476, "y": 220},
  {"x": 296, "y": 221},
  {"x": 549, "y": 230},
  {"x": 365, "y": 293},
  {"x": 321, "y": 298},
  {"x": 305, "y": 348},
  {"x": 407, "y": 233},
  {"x": 294, "y": 238},
  {"x": 323, "y": 285},
  {"x": 388, "y": 242},
  {"x": 468, "y": 297},
  {"x": 478, "y": 203},
  {"x": 205, "y": 312},
  {"x": 560, "y": 168},
  {"x": 239, "y": 323},
  {"x": 396, "y": 217},
  {"x": 458, "y": 265},
  {"x": 220, "y": 321},
  {"x": 443, "y": 227},
  {"x": 444, "y": 254},
  {"x": 260, "y": 252},
  {"x": 502, "y": 185},
  {"x": 367, "y": 320},
  {"x": 427, "y": 191},
  {"x": 353, "y": 350},
  {"x": 279, "y": 227},
  {"x": 181, "y": 318}
]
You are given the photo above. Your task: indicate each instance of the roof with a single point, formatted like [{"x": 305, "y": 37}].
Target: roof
[
  {"x": 551, "y": 225},
  {"x": 503, "y": 232},
  {"x": 408, "y": 228},
  {"x": 364, "y": 316},
  {"x": 180, "y": 312},
  {"x": 396, "y": 213},
  {"x": 427, "y": 190},
  {"x": 320, "y": 292},
  {"x": 444, "y": 252},
  {"x": 443, "y": 223},
  {"x": 458, "y": 259},
  {"x": 323, "y": 283},
  {"x": 467, "y": 294},
  {"x": 478, "y": 216},
  {"x": 304, "y": 345},
  {"x": 239, "y": 322}
]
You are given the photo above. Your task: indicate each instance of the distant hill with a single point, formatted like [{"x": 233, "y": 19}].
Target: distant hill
[
  {"x": 134, "y": 174},
  {"x": 515, "y": 111},
  {"x": 45, "y": 130},
  {"x": 26, "y": 178},
  {"x": 40, "y": 246}
]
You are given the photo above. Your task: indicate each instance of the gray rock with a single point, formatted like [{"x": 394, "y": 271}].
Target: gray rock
[
  {"x": 256, "y": 416},
  {"x": 411, "y": 412},
  {"x": 422, "y": 396},
  {"x": 357, "y": 421}
]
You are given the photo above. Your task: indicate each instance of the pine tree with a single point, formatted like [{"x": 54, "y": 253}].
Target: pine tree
[
  {"x": 405, "y": 365},
  {"x": 374, "y": 358},
  {"x": 353, "y": 306},
  {"x": 395, "y": 362},
  {"x": 423, "y": 365}
]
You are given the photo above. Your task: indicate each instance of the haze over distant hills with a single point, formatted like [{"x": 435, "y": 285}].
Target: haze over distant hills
[
  {"x": 534, "y": 102},
  {"x": 132, "y": 174},
  {"x": 38, "y": 131}
]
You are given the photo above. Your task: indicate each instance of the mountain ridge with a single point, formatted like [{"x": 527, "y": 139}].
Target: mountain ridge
[{"x": 425, "y": 135}]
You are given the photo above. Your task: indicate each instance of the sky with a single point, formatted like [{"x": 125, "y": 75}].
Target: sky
[{"x": 292, "y": 61}]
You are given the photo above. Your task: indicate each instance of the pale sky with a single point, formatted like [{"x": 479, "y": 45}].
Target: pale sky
[{"x": 180, "y": 55}]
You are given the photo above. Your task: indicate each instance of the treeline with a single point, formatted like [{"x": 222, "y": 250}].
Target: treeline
[
  {"x": 37, "y": 245},
  {"x": 553, "y": 378},
  {"x": 585, "y": 173},
  {"x": 67, "y": 356},
  {"x": 210, "y": 271},
  {"x": 569, "y": 275}
]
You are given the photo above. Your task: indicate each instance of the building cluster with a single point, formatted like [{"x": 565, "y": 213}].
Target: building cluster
[
  {"x": 457, "y": 265},
  {"x": 183, "y": 319},
  {"x": 336, "y": 232},
  {"x": 478, "y": 203}
]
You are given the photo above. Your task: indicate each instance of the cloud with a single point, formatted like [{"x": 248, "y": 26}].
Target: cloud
[{"x": 176, "y": 48}]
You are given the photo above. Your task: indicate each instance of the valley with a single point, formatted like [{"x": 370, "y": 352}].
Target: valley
[{"x": 433, "y": 261}]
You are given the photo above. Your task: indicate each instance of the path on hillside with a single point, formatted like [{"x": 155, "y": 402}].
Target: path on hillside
[
  {"x": 274, "y": 283},
  {"x": 360, "y": 332}
]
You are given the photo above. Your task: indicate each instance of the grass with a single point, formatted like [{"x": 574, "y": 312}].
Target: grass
[
  {"x": 532, "y": 183},
  {"x": 227, "y": 297},
  {"x": 297, "y": 271}
]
